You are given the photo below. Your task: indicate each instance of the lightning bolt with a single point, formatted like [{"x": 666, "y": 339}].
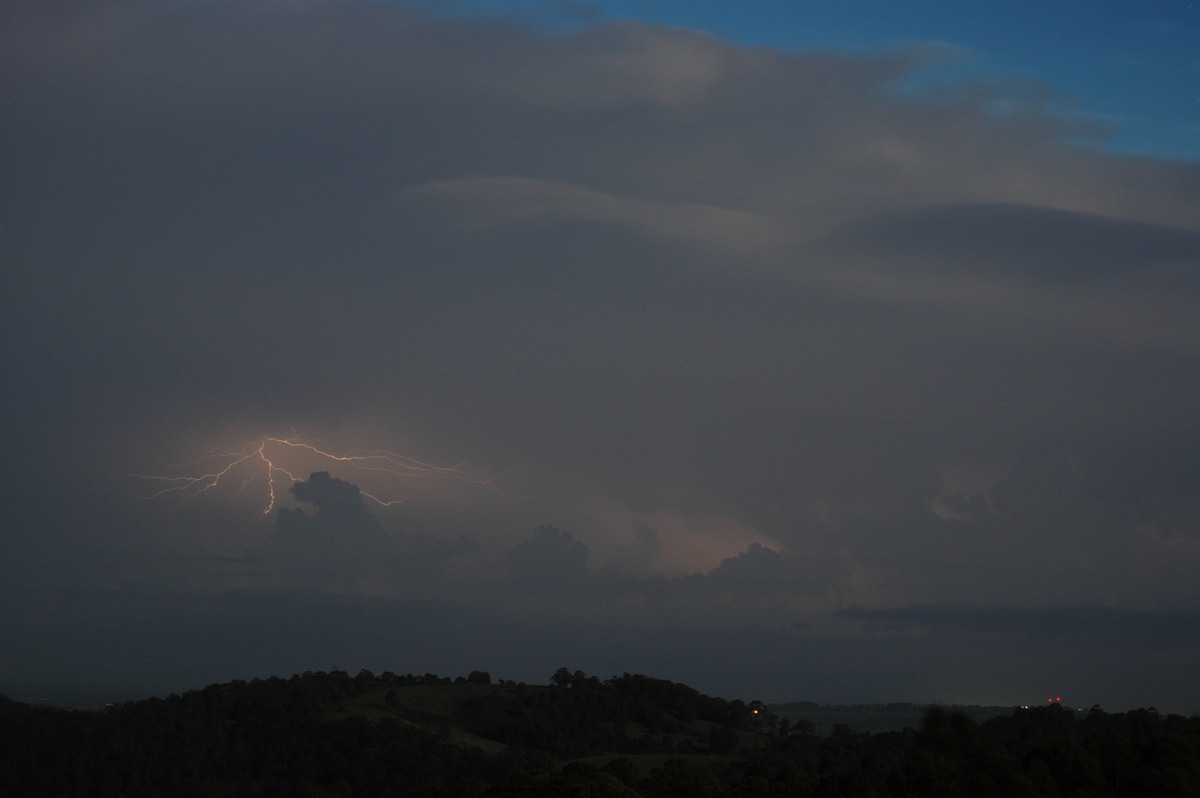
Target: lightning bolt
[{"x": 260, "y": 462}]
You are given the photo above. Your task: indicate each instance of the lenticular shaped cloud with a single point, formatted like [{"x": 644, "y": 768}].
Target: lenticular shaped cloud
[
  {"x": 1059, "y": 274},
  {"x": 512, "y": 200},
  {"x": 1044, "y": 245}
]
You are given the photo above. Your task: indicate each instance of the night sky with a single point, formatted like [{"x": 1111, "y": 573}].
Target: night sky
[{"x": 815, "y": 352}]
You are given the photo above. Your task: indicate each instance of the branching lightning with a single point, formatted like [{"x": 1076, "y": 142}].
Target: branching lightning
[{"x": 260, "y": 463}]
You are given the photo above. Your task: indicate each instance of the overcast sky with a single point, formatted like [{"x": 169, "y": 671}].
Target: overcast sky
[{"x": 818, "y": 371}]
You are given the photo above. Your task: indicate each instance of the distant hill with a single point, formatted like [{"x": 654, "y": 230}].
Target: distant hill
[
  {"x": 874, "y": 718},
  {"x": 332, "y": 734}
]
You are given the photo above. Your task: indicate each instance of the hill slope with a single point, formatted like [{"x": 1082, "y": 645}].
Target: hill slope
[{"x": 330, "y": 734}]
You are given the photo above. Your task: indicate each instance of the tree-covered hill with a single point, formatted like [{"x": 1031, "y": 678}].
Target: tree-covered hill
[
  {"x": 874, "y": 717},
  {"x": 332, "y": 734}
]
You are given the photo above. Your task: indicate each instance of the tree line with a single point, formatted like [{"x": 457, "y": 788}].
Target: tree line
[{"x": 333, "y": 734}]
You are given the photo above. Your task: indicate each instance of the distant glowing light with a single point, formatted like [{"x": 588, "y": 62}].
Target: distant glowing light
[{"x": 259, "y": 463}]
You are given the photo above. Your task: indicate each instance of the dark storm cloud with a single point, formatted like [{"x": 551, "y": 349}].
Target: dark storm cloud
[
  {"x": 549, "y": 561},
  {"x": 337, "y": 546},
  {"x": 756, "y": 574},
  {"x": 756, "y": 570},
  {"x": 343, "y": 547},
  {"x": 772, "y": 322},
  {"x": 1113, "y": 626}
]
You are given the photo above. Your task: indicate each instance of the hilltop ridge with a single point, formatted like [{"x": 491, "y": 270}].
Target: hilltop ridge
[{"x": 332, "y": 734}]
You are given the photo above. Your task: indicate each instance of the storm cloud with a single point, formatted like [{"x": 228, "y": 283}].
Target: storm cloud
[{"x": 762, "y": 336}]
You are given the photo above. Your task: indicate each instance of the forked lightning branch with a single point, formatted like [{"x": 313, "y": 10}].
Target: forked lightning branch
[{"x": 271, "y": 465}]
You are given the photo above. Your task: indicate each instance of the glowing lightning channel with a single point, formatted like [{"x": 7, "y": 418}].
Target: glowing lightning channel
[{"x": 254, "y": 463}]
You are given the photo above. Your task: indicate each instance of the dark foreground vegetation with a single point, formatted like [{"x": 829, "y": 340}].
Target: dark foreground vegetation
[{"x": 332, "y": 734}]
